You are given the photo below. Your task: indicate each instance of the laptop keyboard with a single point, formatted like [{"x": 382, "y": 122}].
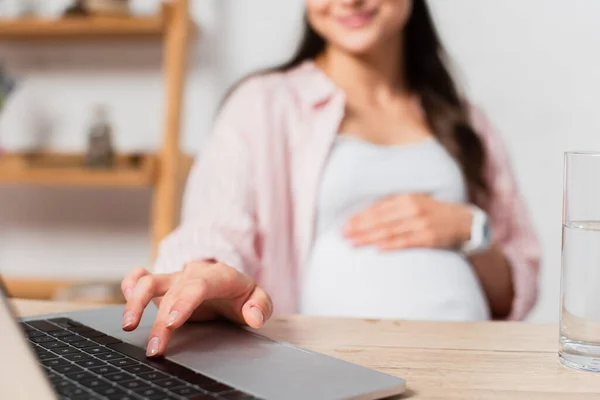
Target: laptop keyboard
[{"x": 82, "y": 363}]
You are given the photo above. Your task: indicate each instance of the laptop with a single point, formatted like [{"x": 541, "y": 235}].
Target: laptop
[{"x": 85, "y": 355}]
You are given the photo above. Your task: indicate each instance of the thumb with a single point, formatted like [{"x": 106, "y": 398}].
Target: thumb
[{"x": 257, "y": 310}]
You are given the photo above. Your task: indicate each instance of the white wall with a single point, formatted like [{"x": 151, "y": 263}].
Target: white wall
[{"x": 530, "y": 64}]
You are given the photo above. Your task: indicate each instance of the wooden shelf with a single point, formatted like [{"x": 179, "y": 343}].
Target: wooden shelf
[
  {"x": 70, "y": 170},
  {"x": 83, "y": 28}
]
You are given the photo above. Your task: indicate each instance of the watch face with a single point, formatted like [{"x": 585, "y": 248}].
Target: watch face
[{"x": 486, "y": 231}]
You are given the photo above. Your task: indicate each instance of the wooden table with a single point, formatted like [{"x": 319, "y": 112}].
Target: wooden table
[{"x": 489, "y": 360}]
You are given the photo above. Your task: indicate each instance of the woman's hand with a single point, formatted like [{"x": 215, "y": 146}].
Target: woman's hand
[
  {"x": 408, "y": 221},
  {"x": 202, "y": 291}
]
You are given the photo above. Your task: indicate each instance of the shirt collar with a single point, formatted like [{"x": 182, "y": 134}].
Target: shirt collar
[{"x": 314, "y": 88}]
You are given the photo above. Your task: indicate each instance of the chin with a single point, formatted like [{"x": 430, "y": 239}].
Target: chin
[{"x": 358, "y": 45}]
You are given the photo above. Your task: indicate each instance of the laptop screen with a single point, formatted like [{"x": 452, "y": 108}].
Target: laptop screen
[{"x": 21, "y": 377}]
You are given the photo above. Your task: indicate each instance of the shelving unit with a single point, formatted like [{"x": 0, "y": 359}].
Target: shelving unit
[{"x": 164, "y": 171}]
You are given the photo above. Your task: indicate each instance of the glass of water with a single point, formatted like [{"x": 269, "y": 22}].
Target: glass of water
[{"x": 580, "y": 282}]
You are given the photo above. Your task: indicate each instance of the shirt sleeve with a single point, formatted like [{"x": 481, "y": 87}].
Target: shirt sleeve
[
  {"x": 218, "y": 219},
  {"x": 512, "y": 230}
]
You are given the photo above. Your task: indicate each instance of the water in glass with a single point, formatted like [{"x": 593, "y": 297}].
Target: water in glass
[{"x": 580, "y": 296}]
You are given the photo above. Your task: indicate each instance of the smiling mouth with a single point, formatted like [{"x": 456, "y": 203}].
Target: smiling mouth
[{"x": 357, "y": 20}]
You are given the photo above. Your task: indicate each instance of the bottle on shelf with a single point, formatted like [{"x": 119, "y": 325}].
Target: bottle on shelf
[{"x": 100, "y": 152}]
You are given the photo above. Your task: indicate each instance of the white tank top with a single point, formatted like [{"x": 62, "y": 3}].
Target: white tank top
[{"x": 343, "y": 281}]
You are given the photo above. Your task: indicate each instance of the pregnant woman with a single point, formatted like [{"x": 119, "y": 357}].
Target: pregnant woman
[{"x": 353, "y": 181}]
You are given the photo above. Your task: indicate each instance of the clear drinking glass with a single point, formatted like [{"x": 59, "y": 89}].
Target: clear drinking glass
[{"x": 580, "y": 281}]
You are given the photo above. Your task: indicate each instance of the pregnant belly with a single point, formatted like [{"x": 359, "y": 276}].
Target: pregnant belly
[{"x": 344, "y": 281}]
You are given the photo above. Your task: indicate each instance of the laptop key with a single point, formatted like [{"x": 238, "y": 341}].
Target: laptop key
[
  {"x": 78, "y": 357},
  {"x": 46, "y": 355},
  {"x": 169, "y": 383},
  {"x": 53, "y": 345},
  {"x": 137, "y": 369},
  {"x": 106, "y": 339},
  {"x": 63, "y": 351},
  {"x": 131, "y": 385},
  {"x": 96, "y": 350},
  {"x": 75, "y": 391},
  {"x": 44, "y": 326},
  {"x": 119, "y": 377},
  {"x": 64, "y": 389},
  {"x": 90, "y": 333},
  {"x": 80, "y": 376},
  {"x": 65, "y": 369},
  {"x": 187, "y": 391},
  {"x": 82, "y": 344},
  {"x": 71, "y": 338},
  {"x": 55, "y": 362},
  {"x": 58, "y": 334},
  {"x": 68, "y": 369},
  {"x": 111, "y": 391},
  {"x": 149, "y": 392},
  {"x": 113, "y": 355},
  {"x": 51, "y": 375},
  {"x": 104, "y": 370},
  {"x": 79, "y": 329},
  {"x": 153, "y": 376},
  {"x": 91, "y": 363},
  {"x": 60, "y": 383},
  {"x": 33, "y": 333},
  {"x": 122, "y": 362},
  {"x": 42, "y": 339},
  {"x": 95, "y": 384}
]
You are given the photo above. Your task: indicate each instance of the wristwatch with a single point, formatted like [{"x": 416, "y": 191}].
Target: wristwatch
[{"x": 480, "y": 233}]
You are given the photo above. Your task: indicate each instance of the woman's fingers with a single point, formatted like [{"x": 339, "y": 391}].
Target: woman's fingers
[
  {"x": 175, "y": 309},
  {"x": 384, "y": 213},
  {"x": 226, "y": 291},
  {"x": 390, "y": 231},
  {"x": 196, "y": 282},
  {"x": 147, "y": 288},
  {"x": 180, "y": 304},
  {"x": 128, "y": 284},
  {"x": 421, "y": 238},
  {"x": 258, "y": 308}
]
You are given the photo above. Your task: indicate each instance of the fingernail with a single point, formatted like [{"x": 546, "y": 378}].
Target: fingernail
[
  {"x": 153, "y": 346},
  {"x": 172, "y": 318},
  {"x": 257, "y": 315},
  {"x": 128, "y": 293},
  {"x": 128, "y": 319}
]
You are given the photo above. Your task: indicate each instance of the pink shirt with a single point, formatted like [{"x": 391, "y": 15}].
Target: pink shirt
[{"x": 251, "y": 197}]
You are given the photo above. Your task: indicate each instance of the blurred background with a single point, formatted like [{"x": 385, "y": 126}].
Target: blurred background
[{"x": 531, "y": 65}]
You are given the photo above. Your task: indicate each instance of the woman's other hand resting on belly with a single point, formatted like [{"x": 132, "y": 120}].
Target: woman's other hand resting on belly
[
  {"x": 419, "y": 221},
  {"x": 409, "y": 221}
]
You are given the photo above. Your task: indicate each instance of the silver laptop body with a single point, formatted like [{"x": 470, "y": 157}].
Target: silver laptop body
[{"x": 237, "y": 357}]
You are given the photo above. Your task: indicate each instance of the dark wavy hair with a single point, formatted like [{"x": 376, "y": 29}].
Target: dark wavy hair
[{"x": 427, "y": 76}]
